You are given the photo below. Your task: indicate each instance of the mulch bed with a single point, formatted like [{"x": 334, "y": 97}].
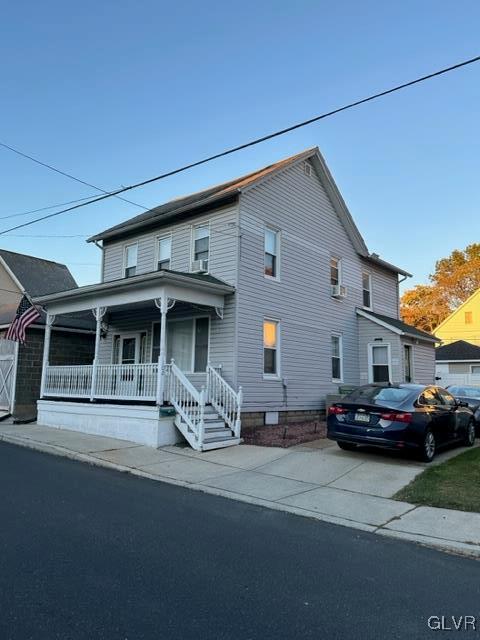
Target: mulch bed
[{"x": 284, "y": 435}]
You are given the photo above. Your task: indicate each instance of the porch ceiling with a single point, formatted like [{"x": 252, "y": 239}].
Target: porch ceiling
[{"x": 187, "y": 287}]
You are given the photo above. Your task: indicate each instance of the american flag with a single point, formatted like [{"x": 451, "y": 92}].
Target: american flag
[{"x": 25, "y": 315}]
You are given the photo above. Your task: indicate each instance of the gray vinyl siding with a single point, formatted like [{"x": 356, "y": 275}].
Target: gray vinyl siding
[
  {"x": 223, "y": 247},
  {"x": 372, "y": 333},
  {"x": 311, "y": 233},
  {"x": 384, "y": 290},
  {"x": 423, "y": 356}
]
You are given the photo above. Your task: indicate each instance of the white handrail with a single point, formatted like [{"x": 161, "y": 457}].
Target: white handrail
[
  {"x": 226, "y": 401},
  {"x": 187, "y": 401}
]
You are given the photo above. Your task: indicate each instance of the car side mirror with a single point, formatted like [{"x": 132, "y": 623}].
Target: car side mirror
[{"x": 462, "y": 403}]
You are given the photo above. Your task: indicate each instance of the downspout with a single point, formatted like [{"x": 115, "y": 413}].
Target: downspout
[
  {"x": 399, "y": 282},
  {"x": 102, "y": 249}
]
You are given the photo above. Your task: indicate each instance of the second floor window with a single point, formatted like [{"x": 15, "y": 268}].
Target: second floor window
[
  {"x": 367, "y": 290},
  {"x": 164, "y": 252},
  {"x": 271, "y": 253},
  {"x": 335, "y": 272},
  {"x": 131, "y": 252},
  {"x": 201, "y": 242}
]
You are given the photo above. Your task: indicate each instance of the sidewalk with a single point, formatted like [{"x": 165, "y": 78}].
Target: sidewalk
[{"x": 315, "y": 480}]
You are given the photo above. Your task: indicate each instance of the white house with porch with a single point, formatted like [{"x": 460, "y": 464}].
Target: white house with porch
[{"x": 262, "y": 284}]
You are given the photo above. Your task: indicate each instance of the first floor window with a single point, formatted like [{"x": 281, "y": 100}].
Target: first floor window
[
  {"x": 201, "y": 242},
  {"x": 475, "y": 369},
  {"x": 270, "y": 347},
  {"x": 271, "y": 253},
  {"x": 380, "y": 363},
  {"x": 187, "y": 343},
  {"x": 335, "y": 272},
  {"x": 367, "y": 290},
  {"x": 164, "y": 252},
  {"x": 337, "y": 358},
  {"x": 131, "y": 252}
]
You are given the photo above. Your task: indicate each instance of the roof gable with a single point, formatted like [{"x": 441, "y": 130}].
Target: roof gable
[
  {"x": 396, "y": 326},
  {"x": 468, "y": 302}
]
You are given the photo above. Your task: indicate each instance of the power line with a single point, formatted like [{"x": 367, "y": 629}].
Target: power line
[
  {"x": 53, "y": 235},
  {"x": 254, "y": 142},
  {"x": 67, "y": 175},
  {"x": 51, "y": 206}
]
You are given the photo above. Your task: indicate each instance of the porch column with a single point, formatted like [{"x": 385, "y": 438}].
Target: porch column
[
  {"x": 49, "y": 320},
  {"x": 164, "y": 305},
  {"x": 98, "y": 314}
]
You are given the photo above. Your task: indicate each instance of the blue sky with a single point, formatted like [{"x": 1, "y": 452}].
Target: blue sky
[{"x": 116, "y": 92}]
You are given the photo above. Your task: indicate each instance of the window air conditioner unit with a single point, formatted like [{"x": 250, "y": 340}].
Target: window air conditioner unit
[
  {"x": 339, "y": 291},
  {"x": 199, "y": 266}
]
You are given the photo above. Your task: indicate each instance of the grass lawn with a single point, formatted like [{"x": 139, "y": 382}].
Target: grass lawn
[{"x": 455, "y": 484}]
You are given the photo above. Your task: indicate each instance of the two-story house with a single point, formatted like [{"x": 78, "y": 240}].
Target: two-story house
[{"x": 248, "y": 301}]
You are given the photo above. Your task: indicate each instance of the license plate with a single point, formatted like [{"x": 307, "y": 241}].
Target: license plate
[{"x": 362, "y": 417}]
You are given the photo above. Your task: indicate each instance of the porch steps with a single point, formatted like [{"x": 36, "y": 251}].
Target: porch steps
[{"x": 217, "y": 434}]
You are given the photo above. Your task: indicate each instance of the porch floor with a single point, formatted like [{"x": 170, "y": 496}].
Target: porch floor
[{"x": 352, "y": 489}]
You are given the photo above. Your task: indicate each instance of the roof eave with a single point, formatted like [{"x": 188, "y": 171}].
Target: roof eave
[
  {"x": 387, "y": 265},
  {"x": 214, "y": 201}
]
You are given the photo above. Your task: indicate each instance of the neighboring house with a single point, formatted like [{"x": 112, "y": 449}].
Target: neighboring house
[
  {"x": 463, "y": 323},
  {"x": 458, "y": 363},
  {"x": 264, "y": 284},
  {"x": 21, "y": 364}
]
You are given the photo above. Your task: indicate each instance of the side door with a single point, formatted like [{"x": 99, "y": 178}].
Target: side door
[
  {"x": 431, "y": 402},
  {"x": 456, "y": 419}
]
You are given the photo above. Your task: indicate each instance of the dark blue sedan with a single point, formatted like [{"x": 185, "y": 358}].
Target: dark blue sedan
[{"x": 419, "y": 418}]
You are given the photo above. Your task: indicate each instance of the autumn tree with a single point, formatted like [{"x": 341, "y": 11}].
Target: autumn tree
[{"x": 454, "y": 280}]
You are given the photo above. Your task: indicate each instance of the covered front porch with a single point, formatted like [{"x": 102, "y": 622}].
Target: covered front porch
[{"x": 160, "y": 341}]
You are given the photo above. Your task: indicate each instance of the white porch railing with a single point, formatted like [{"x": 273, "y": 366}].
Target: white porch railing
[
  {"x": 119, "y": 381},
  {"x": 188, "y": 402},
  {"x": 226, "y": 401}
]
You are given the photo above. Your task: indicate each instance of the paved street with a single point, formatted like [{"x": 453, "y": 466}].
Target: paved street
[{"x": 93, "y": 553}]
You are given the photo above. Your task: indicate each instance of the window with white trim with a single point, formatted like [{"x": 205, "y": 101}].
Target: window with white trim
[
  {"x": 272, "y": 242},
  {"x": 367, "y": 289},
  {"x": 335, "y": 272},
  {"x": 337, "y": 358},
  {"x": 201, "y": 242},
  {"x": 164, "y": 252},
  {"x": 130, "y": 260},
  {"x": 380, "y": 363},
  {"x": 187, "y": 343},
  {"x": 270, "y": 348},
  {"x": 475, "y": 368}
]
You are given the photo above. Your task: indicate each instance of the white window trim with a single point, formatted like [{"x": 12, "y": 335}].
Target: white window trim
[
  {"x": 278, "y": 235},
  {"x": 340, "y": 336},
  {"x": 471, "y": 370},
  {"x": 122, "y": 336},
  {"x": 370, "y": 283},
  {"x": 370, "y": 359},
  {"x": 162, "y": 236},
  {"x": 192, "y": 242},
  {"x": 191, "y": 371},
  {"x": 125, "y": 247},
  {"x": 278, "y": 374}
]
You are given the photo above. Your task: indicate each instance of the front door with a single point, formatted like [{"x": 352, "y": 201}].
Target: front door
[{"x": 128, "y": 381}]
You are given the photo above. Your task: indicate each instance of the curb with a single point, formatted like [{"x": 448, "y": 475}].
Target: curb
[{"x": 448, "y": 546}]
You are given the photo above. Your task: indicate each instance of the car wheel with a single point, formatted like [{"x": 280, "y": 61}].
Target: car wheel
[
  {"x": 429, "y": 447},
  {"x": 470, "y": 434},
  {"x": 347, "y": 446}
]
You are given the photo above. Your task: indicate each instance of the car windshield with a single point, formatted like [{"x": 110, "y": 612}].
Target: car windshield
[
  {"x": 465, "y": 392},
  {"x": 372, "y": 394}
]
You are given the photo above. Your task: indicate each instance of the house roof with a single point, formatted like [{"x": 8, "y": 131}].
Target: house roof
[
  {"x": 459, "y": 350},
  {"x": 228, "y": 192},
  {"x": 38, "y": 277},
  {"x": 396, "y": 325}
]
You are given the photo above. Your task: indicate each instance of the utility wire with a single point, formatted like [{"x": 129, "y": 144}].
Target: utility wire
[
  {"x": 67, "y": 175},
  {"x": 51, "y": 206},
  {"x": 254, "y": 142}
]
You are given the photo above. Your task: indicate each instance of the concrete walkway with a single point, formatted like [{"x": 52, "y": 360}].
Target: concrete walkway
[{"x": 315, "y": 480}]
